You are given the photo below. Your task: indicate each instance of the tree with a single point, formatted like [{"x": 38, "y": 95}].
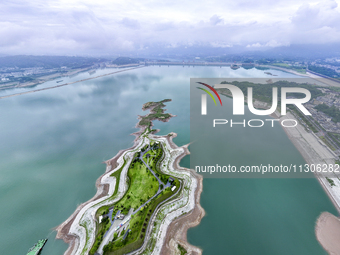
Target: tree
[{"x": 106, "y": 248}]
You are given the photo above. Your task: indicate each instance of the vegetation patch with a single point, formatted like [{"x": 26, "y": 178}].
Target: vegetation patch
[
  {"x": 142, "y": 186},
  {"x": 325, "y": 71},
  {"x": 182, "y": 250},
  {"x": 331, "y": 182},
  {"x": 105, "y": 224},
  {"x": 127, "y": 61},
  {"x": 105, "y": 209},
  {"x": 262, "y": 68},
  {"x": 332, "y": 111},
  {"x": 102, "y": 228},
  {"x": 138, "y": 226},
  {"x": 156, "y": 112}
]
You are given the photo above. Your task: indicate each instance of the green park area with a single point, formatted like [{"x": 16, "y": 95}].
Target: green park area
[{"x": 142, "y": 185}]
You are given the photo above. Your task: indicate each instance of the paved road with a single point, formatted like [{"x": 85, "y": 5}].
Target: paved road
[
  {"x": 109, "y": 236},
  {"x": 159, "y": 181},
  {"x": 141, "y": 158}
]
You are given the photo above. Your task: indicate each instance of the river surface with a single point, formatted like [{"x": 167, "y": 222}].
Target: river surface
[{"x": 53, "y": 144}]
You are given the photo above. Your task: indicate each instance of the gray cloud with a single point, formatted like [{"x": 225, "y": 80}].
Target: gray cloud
[
  {"x": 88, "y": 27},
  {"x": 317, "y": 16},
  {"x": 214, "y": 20},
  {"x": 130, "y": 23},
  {"x": 318, "y": 23}
]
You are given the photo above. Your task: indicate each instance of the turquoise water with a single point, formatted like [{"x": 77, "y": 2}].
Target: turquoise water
[
  {"x": 260, "y": 216},
  {"x": 53, "y": 144}
]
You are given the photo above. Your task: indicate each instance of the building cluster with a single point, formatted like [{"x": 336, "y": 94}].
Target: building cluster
[
  {"x": 14, "y": 74},
  {"x": 295, "y": 63},
  {"x": 328, "y": 63},
  {"x": 11, "y": 73},
  {"x": 330, "y": 98}
]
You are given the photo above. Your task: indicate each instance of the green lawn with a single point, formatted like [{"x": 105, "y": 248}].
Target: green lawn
[
  {"x": 140, "y": 177},
  {"x": 142, "y": 186},
  {"x": 281, "y": 65}
]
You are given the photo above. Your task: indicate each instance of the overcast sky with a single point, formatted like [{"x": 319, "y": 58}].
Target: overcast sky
[{"x": 113, "y": 26}]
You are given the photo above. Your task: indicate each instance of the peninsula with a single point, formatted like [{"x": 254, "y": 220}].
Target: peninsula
[{"x": 145, "y": 201}]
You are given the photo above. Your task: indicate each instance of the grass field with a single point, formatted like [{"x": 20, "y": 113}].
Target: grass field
[
  {"x": 143, "y": 185},
  {"x": 139, "y": 178}
]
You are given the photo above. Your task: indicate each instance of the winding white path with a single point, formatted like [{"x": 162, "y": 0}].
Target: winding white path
[{"x": 83, "y": 227}]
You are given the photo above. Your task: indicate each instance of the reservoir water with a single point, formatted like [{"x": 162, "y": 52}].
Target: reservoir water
[{"x": 53, "y": 144}]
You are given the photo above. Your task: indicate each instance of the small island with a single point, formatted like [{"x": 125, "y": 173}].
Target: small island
[{"x": 145, "y": 201}]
